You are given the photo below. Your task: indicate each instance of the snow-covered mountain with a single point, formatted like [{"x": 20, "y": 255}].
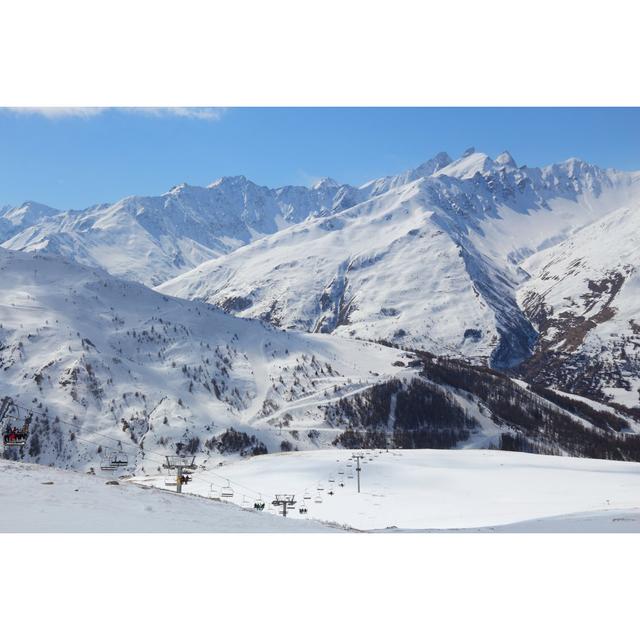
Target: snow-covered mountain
[
  {"x": 13, "y": 220},
  {"x": 433, "y": 259},
  {"x": 453, "y": 257},
  {"x": 585, "y": 302},
  {"x": 150, "y": 239}
]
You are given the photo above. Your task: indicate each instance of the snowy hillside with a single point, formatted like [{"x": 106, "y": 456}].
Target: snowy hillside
[
  {"x": 444, "y": 490},
  {"x": 98, "y": 358},
  {"x": 585, "y": 302},
  {"x": 38, "y": 499}
]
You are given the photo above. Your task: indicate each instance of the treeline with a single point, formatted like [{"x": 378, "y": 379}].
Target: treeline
[
  {"x": 232, "y": 441},
  {"x": 598, "y": 418},
  {"x": 392, "y": 414},
  {"x": 539, "y": 423}
]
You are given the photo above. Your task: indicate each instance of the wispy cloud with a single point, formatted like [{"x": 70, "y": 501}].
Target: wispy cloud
[
  {"x": 195, "y": 113},
  {"x": 56, "y": 113},
  {"x": 308, "y": 179}
]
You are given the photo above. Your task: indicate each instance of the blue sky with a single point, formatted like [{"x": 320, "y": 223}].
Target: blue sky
[{"x": 77, "y": 157}]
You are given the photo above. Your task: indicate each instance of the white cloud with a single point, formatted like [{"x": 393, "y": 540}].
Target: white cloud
[
  {"x": 54, "y": 113},
  {"x": 195, "y": 113}
]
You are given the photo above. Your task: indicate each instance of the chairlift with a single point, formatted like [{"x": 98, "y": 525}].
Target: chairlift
[
  {"x": 119, "y": 459},
  {"x": 258, "y": 505},
  {"x": 306, "y": 496},
  {"x": 227, "y": 491},
  {"x": 113, "y": 460},
  {"x": 320, "y": 487},
  {"x": 302, "y": 510},
  {"x": 107, "y": 462},
  {"x": 341, "y": 484},
  {"x": 318, "y": 499},
  {"x": 332, "y": 479},
  {"x": 15, "y": 429}
]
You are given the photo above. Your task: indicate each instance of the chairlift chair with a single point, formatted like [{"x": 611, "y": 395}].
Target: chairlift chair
[
  {"x": 318, "y": 499},
  {"x": 106, "y": 462},
  {"x": 15, "y": 429},
  {"x": 119, "y": 459},
  {"x": 227, "y": 491},
  {"x": 302, "y": 510}
]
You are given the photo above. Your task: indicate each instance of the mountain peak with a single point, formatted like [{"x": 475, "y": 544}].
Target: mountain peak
[
  {"x": 325, "y": 183},
  {"x": 28, "y": 212},
  {"x": 233, "y": 181},
  {"x": 179, "y": 188},
  {"x": 470, "y": 163},
  {"x": 506, "y": 160},
  {"x": 428, "y": 168}
]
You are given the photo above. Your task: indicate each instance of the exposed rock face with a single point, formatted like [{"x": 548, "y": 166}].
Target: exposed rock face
[{"x": 584, "y": 303}]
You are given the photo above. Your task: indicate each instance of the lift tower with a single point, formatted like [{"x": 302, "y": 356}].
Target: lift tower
[
  {"x": 180, "y": 464},
  {"x": 284, "y": 501},
  {"x": 357, "y": 457}
]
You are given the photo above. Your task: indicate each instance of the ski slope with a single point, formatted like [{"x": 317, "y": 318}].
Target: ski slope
[
  {"x": 444, "y": 489},
  {"x": 98, "y": 352},
  {"x": 38, "y": 499}
]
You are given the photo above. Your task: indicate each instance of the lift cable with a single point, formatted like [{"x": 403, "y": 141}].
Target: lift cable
[{"x": 137, "y": 448}]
